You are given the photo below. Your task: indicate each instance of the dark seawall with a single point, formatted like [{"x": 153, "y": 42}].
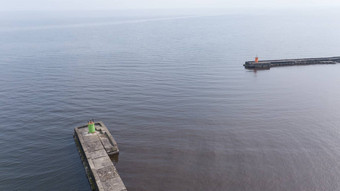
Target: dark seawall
[{"x": 267, "y": 64}]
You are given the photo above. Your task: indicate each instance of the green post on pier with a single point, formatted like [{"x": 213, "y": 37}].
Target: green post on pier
[{"x": 92, "y": 129}]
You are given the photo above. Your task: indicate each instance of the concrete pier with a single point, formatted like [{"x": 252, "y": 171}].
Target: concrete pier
[
  {"x": 267, "y": 64},
  {"x": 95, "y": 150}
]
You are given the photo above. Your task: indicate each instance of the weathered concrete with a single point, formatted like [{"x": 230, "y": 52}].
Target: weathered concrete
[
  {"x": 267, "y": 64},
  {"x": 94, "y": 149}
]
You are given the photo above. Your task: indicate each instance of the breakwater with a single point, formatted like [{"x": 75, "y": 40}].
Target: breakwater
[
  {"x": 95, "y": 149},
  {"x": 267, "y": 64}
]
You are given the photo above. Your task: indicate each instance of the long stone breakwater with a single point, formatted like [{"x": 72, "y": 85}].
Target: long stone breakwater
[
  {"x": 95, "y": 145},
  {"x": 267, "y": 64}
]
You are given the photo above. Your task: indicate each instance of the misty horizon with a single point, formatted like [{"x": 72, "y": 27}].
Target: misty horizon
[{"x": 77, "y": 5}]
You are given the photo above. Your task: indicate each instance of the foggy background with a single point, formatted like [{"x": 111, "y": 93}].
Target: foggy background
[{"x": 15, "y": 5}]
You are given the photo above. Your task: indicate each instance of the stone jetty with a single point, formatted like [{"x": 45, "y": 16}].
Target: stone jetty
[
  {"x": 95, "y": 150},
  {"x": 267, "y": 64}
]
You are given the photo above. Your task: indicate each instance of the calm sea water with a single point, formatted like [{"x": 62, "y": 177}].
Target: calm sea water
[{"x": 173, "y": 92}]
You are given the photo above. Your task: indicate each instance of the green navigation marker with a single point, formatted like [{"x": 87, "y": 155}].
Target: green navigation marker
[{"x": 92, "y": 129}]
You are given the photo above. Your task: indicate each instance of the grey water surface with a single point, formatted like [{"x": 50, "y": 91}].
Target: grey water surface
[{"x": 173, "y": 92}]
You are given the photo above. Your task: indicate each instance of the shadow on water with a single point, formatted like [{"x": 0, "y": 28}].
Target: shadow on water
[{"x": 114, "y": 159}]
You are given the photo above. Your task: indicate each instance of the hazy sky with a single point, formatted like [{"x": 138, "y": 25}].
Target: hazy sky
[{"x": 8, "y": 5}]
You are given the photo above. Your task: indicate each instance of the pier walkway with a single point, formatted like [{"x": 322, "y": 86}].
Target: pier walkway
[
  {"x": 267, "y": 64},
  {"x": 94, "y": 149}
]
